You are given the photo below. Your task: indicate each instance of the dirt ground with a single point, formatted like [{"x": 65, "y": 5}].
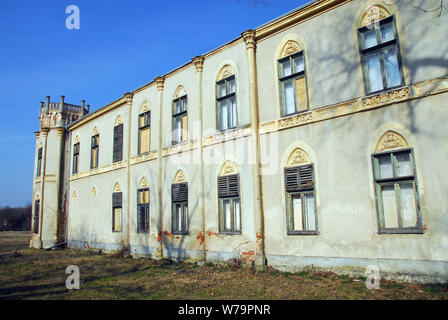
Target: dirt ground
[{"x": 39, "y": 274}]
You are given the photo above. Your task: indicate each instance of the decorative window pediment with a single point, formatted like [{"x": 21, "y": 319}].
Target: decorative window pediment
[
  {"x": 225, "y": 72},
  {"x": 180, "y": 177},
  {"x": 391, "y": 140},
  {"x": 228, "y": 168},
  {"x": 373, "y": 14},
  {"x": 298, "y": 157},
  {"x": 290, "y": 48}
]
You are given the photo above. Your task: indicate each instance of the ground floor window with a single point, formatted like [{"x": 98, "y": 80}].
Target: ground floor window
[
  {"x": 229, "y": 204},
  {"x": 300, "y": 200},
  {"x": 143, "y": 211},
  {"x": 179, "y": 197},
  {"x": 36, "y": 217},
  {"x": 117, "y": 212}
]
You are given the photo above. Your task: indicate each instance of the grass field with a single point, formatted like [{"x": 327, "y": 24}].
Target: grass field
[{"x": 40, "y": 274}]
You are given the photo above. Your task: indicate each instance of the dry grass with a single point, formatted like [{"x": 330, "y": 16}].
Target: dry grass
[{"x": 38, "y": 274}]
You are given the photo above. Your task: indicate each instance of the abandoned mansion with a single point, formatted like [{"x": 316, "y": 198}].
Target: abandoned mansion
[{"x": 319, "y": 138}]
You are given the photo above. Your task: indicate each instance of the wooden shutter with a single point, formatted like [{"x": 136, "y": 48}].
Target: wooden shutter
[
  {"x": 229, "y": 186},
  {"x": 116, "y": 199},
  {"x": 299, "y": 178},
  {"x": 118, "y": 143},
  {"x": 179, "y": 192},
  {"x": 39, "y": 153}
]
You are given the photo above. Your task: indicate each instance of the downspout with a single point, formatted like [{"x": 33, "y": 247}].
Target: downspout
[
  {"x": 250, "y": 40},
  {"x": 199, "y": 65},
  {"x": 160, "y": 85}
]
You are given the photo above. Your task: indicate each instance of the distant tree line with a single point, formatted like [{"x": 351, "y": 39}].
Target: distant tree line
[{"x": 15, "y": 219}]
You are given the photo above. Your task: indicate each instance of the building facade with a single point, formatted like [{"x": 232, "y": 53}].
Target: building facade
[{"x": 318, "y": 139}]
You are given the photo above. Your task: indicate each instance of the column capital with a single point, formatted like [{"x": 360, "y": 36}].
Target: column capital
[
  {"x": 249, "y": 38},
  {"x": 198, "y": 62},
  {"x": 160, "y": 81},
  {"x": 44, "y": 131},
  {"x": 128, "y": 97},
  {"x": 60, "y": 131},
  {"x": 37, "y": 133}
]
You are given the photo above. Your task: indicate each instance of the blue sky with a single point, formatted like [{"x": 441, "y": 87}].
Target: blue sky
[{"x": 120, "y": 46}]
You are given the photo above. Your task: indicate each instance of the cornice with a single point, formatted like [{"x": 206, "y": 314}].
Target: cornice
[{"x": 295, "y": 17}]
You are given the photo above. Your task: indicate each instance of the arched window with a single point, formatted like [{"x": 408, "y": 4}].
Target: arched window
[
  {"x": 117, "y": 209},
  {"x": 300, "y": 194},
  {"x": 179, "y": 200},
  {"x": 380, "y": 51},
  {"x": 180, "y": 116},
  {"x": 143, "y": 206},
  {"x": 396, "y": 187},
  {"x": 292, "y": 79},
  {"x": 118, "y": 140},
  {"x": 229, "y": 199},
  {"x": 144, "y": 130},
  {"x": 94, "y": 151},
  {"x": 76, "y": 146},
  {"x": 226, "y": 112}
]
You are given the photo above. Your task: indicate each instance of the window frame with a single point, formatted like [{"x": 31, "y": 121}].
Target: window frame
[
  {"x": 232, "y": 198},
  {"x": 184, "y": 207},
  {"x": 39, "y": 162},
  {"x": 117, "y": 149},
  {"x": 92, "y": 149},
  {"x": 116, "y": 206},
  {"x": 181, "y": 114},
  {"x": 147, "y": 125},
  {"x": 379, "y": 48},
  {"x": 228, "y": 97},
  {"x": 140, "y": 230},
  {"x": 76, "y": 149},
  {"x": 395, "y": 180},
  {"x": 301, "y": 191},
  {"x": 293, "y": 76},
  {"x": 36, "y": 216}
]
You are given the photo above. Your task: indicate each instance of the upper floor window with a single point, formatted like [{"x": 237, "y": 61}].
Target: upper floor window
[
  {"x": 144, "y": 132},
  {"x": 180, "y": 120},
  {"x": 75, "y": 158},
  {"x": 94, "y": 154},
  {"x": 226, "y": 99},
  {"x": 39, "y": 162},
  {"x": 229, "y": 200},
  {"x": 300, "y": 195},
  {"x": 380, "y": 54},
  {"x": 118, "y": 143},
  {"x": 396, "y": 187},
  {"x": 292, "y": 82}
]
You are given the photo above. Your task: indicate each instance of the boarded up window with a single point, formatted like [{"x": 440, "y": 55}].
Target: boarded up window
[
  {"x": 143, "y": 211},
  {"x": 292, "y": 78},
  {"x": 144, "y": 133},
  {"x": 118, "y": 143},
  {"x": 301, "y": 209},
  {"x": 397, "y": 193},
  {"x": 117, "y": 212},
  {"x": 94, "y": 151}
]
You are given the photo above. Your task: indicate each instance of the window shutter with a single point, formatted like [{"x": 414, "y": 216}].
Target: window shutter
[
  {"x": 229, "y": 186},
  {"x": 39, "y": 153},
  {"x": 299, "y": 178},
  {"x": 116, "y": 199},
  {"x": 179, "y": 192}
]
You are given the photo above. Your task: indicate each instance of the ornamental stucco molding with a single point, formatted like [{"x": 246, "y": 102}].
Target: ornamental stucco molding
[
  {"x": 391, "y": 140},
  {"x": 295, "y": 120},
  {"x": 144, "y": 157},
  {"x": 386, "y": 98},
  {"x": 226, "y": 136},
  {"x": 160, "y": 83},
  {"x": 114, "y": 166},
  {"x": 249, "y": 39},
  {"x": 198, "y": 62},
  {"x": 297, "y": 157},
  {"x": 179, "y": 148}
]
